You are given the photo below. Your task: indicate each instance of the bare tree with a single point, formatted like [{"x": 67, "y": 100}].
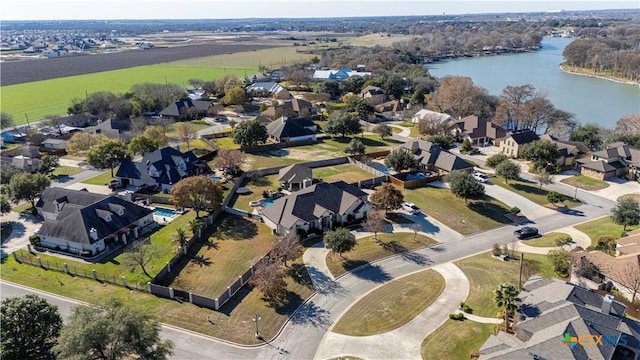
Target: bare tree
[
  {"x": 187, "y": 133},
  {"x": 141, "y": 253},
  {"x": 288, "y": 248},
  {"x": 229, "y": 158},
  {"x": 513, "y": 246},
  {"x": 415, "y": 227},
  {"x": 375, "y": 223},
  {"x": 630, "y": 277},
  {"x": 543, "y": 177},
  {"x": 268, "y": 277}
]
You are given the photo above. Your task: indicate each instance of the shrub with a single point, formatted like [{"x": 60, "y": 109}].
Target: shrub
[
  {"x": 563, "y": 240},
  {"x": 86, "y": 253},
  {"x": 606, "y": 244},
  {"x": 34, "y": 240},
  {"x": 496, "y": 250},
  {"x": 265, "y": 194},
  {"x": 458, "y": 316},
  {"x": 466, "y": 308},
  {"x": 474, "y": 354},
  {"x": 515, "y": 210},
  {"x": 496, "y": 159}
]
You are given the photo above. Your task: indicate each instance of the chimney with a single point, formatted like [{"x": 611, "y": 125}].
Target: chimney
[
  {"x": 607, "y": 301},
  {"x": 93, "y": 233}
]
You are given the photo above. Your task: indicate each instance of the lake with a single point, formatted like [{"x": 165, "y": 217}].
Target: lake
[{"x": 592, "y": 100}]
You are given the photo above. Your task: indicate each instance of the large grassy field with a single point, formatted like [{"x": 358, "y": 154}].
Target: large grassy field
[
  {"x": 52, "y": 97},
  {"x": 272, "y": 58},
  {"x": 456, "y": 340},
  {"x": 391, "y": 305},
  {"x": 602, "y": 227},
  {"x": 347, "y": 172}
]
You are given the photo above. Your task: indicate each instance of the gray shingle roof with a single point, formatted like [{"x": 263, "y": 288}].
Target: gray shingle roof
[
  {"x": 295, "y": 173},
  {"x": 289, "y": 128},
  {"x": 165, "y": 160},
  {"x": 524, "y": 137}
]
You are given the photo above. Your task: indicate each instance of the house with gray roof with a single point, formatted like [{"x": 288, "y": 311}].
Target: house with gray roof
[
  {"x": 186, "y": 108},
  {"x": 568, "y": 151},
  {"x": 373, "y": 94},
  {"x": 162, "y": 168},
  {"x": 317, "y": 207},
  {"x": 617, "y": 159},
  {"x": 432, "y": 157},
  {"x": 558, "y": 320},
  {"x": 268, "y": 89},
  {"x": 77, "y": 220},
  {"x": 479, "y": 132},
  {"x": 513, "y": 142},
  {"x": 295, "y": 177},
  {"x": 288, "y": 130}
]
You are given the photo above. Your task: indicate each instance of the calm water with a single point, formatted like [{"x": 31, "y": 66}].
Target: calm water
[{"x": 591, "y": 100}]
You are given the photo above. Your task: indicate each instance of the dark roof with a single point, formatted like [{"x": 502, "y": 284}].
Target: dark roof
[
  {"x": 295, "y": 173},
  {"x": 289, "y": 128},
  {"x": 524, "y": 137},
  {"x": 80, "y": 211},
  {"x": 476, "y": 128},
  {"x": 430, "y": 154},
  {"x": 174, "y": 109},
  {"x": 373, "y": 90},
  {"x": 599, "y": 166},
  {"x": 165, "y": 160}
]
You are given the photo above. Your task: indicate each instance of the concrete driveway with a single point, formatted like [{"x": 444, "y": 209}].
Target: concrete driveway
[
  {"x": 22, "y": 226},
  {"x": 530, "y": 209}
]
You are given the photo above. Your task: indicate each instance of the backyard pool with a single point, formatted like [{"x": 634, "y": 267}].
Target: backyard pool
[
  {"x": 164, "y": 212},
  {"x": 415, "y": 176},
  {"x": 267, "y": 202},
  {"x": 379, "y": 167}
]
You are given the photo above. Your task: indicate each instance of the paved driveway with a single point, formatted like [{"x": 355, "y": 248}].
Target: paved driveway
[{"x": 22, "y": 226}]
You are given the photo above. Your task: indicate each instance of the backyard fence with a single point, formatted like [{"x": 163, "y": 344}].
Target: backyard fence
[{"x": 366, "y": 167}]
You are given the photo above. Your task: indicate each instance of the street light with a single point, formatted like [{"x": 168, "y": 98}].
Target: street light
[
  {"x": 257, "y": 318},
  {"x": 575, "y": 195}
]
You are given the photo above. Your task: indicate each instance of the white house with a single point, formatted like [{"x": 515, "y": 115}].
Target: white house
[{"x": 55, "y": 144}]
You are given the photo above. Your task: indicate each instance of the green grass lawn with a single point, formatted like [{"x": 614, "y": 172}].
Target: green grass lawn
[
  {"x": 102, "y": 179},
  {"x": 486, "y": 273},
  {"x": 225, "y": 143},
  {"x": 271, "y": 57},
  {"x": 269, "y": 159},
  {"x": 54, "y": 95},
  {"x": 546, "y": 240},
  {"x": 602, "y": 227},
  {"x": 226, "y": 254},
  {"x": 585, "y": 182},
  {"x": 456, "y": 340},
  {"x": 24, "y": 207},
  {"x": 172, "y": 129},
  {"x": 532, "y": 191},
  {"x": 368, "y": 250},
  {"x": 635, "y": 197},
  {"x": 452, "y": 211},
  {"x": 391, "y": 305},
  {"x": 257, "y": 186},
  {"x": 62, "y": 171},
  {"x": 346, "y": 172}
]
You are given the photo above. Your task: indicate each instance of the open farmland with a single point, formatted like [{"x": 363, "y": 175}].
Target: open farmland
[{"x": 272, "y": 58}]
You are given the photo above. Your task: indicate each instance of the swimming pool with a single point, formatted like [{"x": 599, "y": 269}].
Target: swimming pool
[
  {"x": 267, "y": 202},
  {"x": 415, "y": 176},
  {"x": 379, "y": 167},
  {"x": 216, "y": 178},
  {"x": 164, "y": 212}
]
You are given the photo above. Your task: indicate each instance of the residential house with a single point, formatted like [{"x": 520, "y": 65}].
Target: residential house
[
  {"x": 54, "y": 144},
  {"x": 14, "y": 135},
  {"x": 112, "y": 128},
  {"x": 568, "y": 151},
  {"x": 290, "y": 108},
  {"x": 295, "y": 177},
  {"x": 78, "y": 221},
  {"x": 559, "y": 320},
  {"x": 24, "y": 159},
  {"x": 287, "y": 130},
  {"x": 373, "y": 94},
  {"x": 77, "y": 120},
  {"x": 432, "y": 157},
  {"x": 186, "y": 109},
  {"x": 617, "y": 159},
  {"x": 479, "y": 132},
  {"x": 438, "y": 118},
  {"x": 268, "y": 89},
  {"x": 317, "y": 207},
  {"x": 338, "y": 75},
  {"x": 513, "y": 142},
  {"x": 390, "y": 110},
  {"x": 25, "y": 163},
  {"x": 162, "y": 168}
]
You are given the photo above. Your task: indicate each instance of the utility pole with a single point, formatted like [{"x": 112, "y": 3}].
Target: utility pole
[
  {"x": 520, "y": 275},
  {"x": 27, "y": 117}
]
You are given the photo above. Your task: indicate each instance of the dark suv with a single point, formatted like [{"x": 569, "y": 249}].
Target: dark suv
[{"x": 525, "y": 232}]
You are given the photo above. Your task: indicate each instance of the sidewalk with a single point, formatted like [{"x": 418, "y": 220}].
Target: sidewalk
[
  {"x": 530, "y": 209},
  {"x": 579, "y": 239}
]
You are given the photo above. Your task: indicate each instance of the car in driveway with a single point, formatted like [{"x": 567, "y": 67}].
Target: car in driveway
[
  {"x": 480, "y": 177},
  {"x": 525, "y": 232},
  {"x": 410, "y": 207}
]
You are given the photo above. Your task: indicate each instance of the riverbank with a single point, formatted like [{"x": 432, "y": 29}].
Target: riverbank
[{"x": 584, "y": 72}]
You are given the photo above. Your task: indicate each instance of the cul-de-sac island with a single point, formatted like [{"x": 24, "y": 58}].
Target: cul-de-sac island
[{"x": 320, "y": 183}]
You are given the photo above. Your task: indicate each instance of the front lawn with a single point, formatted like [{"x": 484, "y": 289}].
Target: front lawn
[
  {"x": 25, "y": 207},
  {"x": 61, "y": 171},
  {"x": 346, "y": 172},
  {"x": 456, "y": 340},
  {"x": 585, "y": 183},
  {"x": 546, "y": 240},
  {"x": 172, "y": 129},
  {"x": 391, "y": 305},
  {"x": 602, "y": 227},
  {"x": 102, "y": 179},
  {"x": 466, "y": 219},
  {"x": 368, "y": 250},
  {"x": 532, "y": 191},
  {"x": 635, "y": 197}
]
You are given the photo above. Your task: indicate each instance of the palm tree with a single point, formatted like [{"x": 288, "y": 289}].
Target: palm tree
[
  {"x": 506, "y": 297},
  {"x": 181, "y": 237},
  {"x": 194, "y": 225}
]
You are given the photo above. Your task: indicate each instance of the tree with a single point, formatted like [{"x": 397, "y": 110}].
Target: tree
[
  {"x": 142, "y": 144},
  {"x": 542, "y": 154},
  {"x": 141, "y": 253},
  {"x": 543, "y": 177},
  {"x": 28, "y": 186},
  {"x": 588, "y": 134},
  {"x": 508, "y": 170},
  {"x": 496, "y": 159},
  {"x": 387, "y": 197},
  {"x": 196, "y": 83},
  {"x": 560, "y": 260},
  {"x": 343, "y": 124},
  {"x": 626, "y": 213},
  {"x": 415, "y": 228},
  {"x": 288, "y": 248},
  {"x": 235, "y": 96},
  {"x": 355, "y": 147},
  {"x": 443, "y": 141},
  {"x": 554, "y": 198},
  {"x": 5, "y": 206},
  {"x": 229, "y": 159},
  {"x": 375, "y": 223},
  {"x": 400, "y": 159},
  {"x": 157, "y": 133},
  {"x": 187, "y": 133},
  {"x": 459, "y": 96},
  {"x": 99, "y": 103},
  {"x": 630, "y": 277},
  {"x": 339, "y": 241},
  {"x": 35, "y": 137},
  {"x": 463, "y": 185},
  {"x": 249, "y": 133},
  {"x": 466, "y": 147},
  {"x": 80, "y": 143},
  {"x": 629, "y": 125},
  {"x": 6, "y": 120},
  {"x": 155, "y": 97},
  {"x": 383, "y": 130},
  {"x": 30, "y": 327},
  {"x": 358, "y": 105},
  {"x": 114, "y": 330},
  {"x": 268, "y": 277},
  {"x": 197, "y": 192},
  {"x": 107, "y": 154},
  {"x": 48, "y": 163},
  {"x": 506, "y": 297},
  {"x": 181, "y": 237},
  {"x": 194, "y": 225}
]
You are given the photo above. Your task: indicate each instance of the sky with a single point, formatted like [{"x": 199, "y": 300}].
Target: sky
[{"x": 225, "y": 9}]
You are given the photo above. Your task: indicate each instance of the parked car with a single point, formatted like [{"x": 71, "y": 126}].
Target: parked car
[
  {"x": 480, "y": 177},
  {"x": 525, "y": 232},
  {"x": 410, "y": 207}
]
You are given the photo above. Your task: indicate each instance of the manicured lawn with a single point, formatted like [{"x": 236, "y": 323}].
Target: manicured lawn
[
  {"x": 114, "y": 267},
  {"x": 452, "y": 211},
  {"x": 346, "y": 172},
  {"x": 602, "y": 227},
  {"x": 531, "y": 191},
  {"x": 368, "y": 250},
  {"x": 269, "y": 159},
  {"x": 635, "y": 197},
  {"x": 226, "y": 254},
  {"x": 456, "y": 340},
  {"x": 194, "y": 144},
  {"x": 225, "y": 143},
  {"x": 61, "y": 171},
  {"x": 486, "y": 273},
  {"x": 546, "y": 240},
  {"x": 102, "y": 179},
  {"x": 172, "y": 129},
  {"x": 585, "y": 182},
  {"x": 257, "y": 186},
  {"x": 391, "y": 305},
  {"x": 21, "y": 207}
]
